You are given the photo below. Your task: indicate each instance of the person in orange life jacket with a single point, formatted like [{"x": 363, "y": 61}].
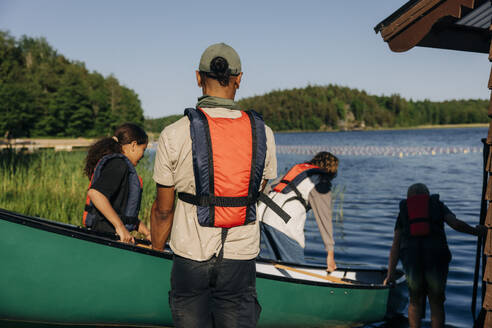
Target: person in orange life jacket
[
  {"x": 114, "y": 195},
  {"x": 305, "y": 186},
  {"x": 217, "y": 158},
  {"x": 420, "y": 242}
]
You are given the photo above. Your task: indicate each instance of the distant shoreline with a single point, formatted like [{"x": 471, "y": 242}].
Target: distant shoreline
[
  {"x": 65, "y": 143},
  {"x": 438, "y": 126},
  {"x": 418, "y": 127}
]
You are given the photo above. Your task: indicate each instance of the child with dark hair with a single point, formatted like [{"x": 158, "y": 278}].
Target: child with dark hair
[
  {"x": 305, "y": 186},
  {"x": 115, "y": 190},
  {"x": 420, "y": 242}
]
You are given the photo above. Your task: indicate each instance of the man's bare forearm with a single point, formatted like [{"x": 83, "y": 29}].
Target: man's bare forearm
[
  {"x": 161, "y": 222},
  {"x": 162, "y": 216}
]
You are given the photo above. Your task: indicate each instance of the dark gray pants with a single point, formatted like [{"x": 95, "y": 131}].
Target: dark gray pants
[{"x": 211, "y": 294}]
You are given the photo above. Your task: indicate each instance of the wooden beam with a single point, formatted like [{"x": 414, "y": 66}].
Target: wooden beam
[
  {"x": 490, "y": 81},
  {"x": 488, "y": 192},
  {"x": 488, "y": 218},
  {"x": 489, "y": 113},
  {"x": 444, "y": 35},
  {"x": 488, "y": 319},
  {"x": 408, "y": 30},
  {"x": 490, "y": 47},
  {"x": 489, "y": 136},
  {"x": 488, "y": 166},
  {"x": 488, "y": 274},
  {"x": 407, "y": 18},
  {"x": 487, "y": 302}
]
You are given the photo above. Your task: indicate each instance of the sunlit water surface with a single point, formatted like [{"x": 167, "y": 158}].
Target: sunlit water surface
[{"x": 376, "y": 168}]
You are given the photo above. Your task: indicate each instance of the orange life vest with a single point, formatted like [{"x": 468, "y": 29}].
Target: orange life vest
[
  {"x": 296, "y": 174},
  {"x": 228, "y": 162}
]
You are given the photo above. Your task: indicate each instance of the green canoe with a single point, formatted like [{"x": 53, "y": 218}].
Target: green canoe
[{"x": 58, "y": 274}]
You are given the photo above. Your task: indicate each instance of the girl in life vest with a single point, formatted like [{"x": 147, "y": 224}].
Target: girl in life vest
[
  {"x": 305, "y": 186},
  {"x": 115, "y": 189}
]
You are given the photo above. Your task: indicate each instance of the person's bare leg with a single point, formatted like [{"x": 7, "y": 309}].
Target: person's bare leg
[
  {"x": 415, "y": 311},
  {"x": 437, "y": 311}
]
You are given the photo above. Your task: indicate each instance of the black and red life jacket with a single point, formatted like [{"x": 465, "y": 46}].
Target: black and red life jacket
[
  {"x": 422, "y": 216},
  {"x": 228, "y": 162},
  {"x": 130, "y": 215},
  {"x": 419, "y": 219}
]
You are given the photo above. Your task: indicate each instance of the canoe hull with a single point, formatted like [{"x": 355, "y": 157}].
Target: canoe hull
[
  {"x": 58, "y": 278},
  {"x": 314, "y": 306},
  {"x": 56, "y": 273}
]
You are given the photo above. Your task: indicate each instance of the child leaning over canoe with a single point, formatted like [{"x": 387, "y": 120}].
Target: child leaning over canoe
[{"x": 115, "y": 190}]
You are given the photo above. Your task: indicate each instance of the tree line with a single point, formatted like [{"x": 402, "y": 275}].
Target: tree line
[
  {"x": 333, "y": 107},
  {"x": 42, "y": 93}
]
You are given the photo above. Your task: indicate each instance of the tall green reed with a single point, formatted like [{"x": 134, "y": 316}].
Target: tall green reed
[
  {"x": 338, "y": 195},
  {"x": 52, "y": 185}
]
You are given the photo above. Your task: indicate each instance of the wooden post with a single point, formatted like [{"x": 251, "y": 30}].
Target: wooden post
[{"x": 487, "y": 276}]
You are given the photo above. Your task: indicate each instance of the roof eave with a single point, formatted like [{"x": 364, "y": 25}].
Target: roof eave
[{"x": 430, "y": 23}]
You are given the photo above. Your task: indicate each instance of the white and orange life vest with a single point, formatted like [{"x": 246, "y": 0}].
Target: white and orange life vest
[{"x": 291, "y": 195}]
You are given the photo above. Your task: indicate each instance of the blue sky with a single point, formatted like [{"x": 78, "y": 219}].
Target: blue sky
[{"x": 154, "y": 47}]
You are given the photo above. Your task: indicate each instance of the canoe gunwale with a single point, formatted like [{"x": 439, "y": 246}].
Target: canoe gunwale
[
  {"x": 87, "y": 235},
  {"x": 76, "y": 232},
  {"x": 327, "y": 284},
  {"x": 36, "y": 323}
]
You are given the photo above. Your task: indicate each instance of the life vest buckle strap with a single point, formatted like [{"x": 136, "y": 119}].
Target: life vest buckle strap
[
  {"x": 298, "y": 195},
  {"x": 203, "y": 131},
  {"x": 274, "y": 207},
  {"x": 419, "y": 220},
  {"x": 216, "y": 200}
]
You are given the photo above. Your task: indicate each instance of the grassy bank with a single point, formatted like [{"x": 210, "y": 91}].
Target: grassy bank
[{"x": 52, "y": 185}]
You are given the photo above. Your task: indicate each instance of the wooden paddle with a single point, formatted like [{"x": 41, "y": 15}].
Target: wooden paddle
[
  {"x": 143, "y": 245},
  {"x": 329, "y": 278}
]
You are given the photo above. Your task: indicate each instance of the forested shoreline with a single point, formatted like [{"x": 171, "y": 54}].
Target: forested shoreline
[
  {"x": 333, "y": 107},
  {"x": 42, "y": 93}
]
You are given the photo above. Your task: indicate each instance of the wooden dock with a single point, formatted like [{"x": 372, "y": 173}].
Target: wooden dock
[{"x": 32, "y": 144}]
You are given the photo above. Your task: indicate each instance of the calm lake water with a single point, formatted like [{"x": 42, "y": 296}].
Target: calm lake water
[{"x": 376, "y": 168}]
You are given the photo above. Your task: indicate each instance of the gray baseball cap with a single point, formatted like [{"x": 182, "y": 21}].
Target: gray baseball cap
[{"x": 220, "y": 50}]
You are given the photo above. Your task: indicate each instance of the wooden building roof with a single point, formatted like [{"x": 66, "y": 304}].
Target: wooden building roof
[{"x": 445, "y": 24}]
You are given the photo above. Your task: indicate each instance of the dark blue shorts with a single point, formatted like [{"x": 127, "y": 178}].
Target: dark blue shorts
[
  {"x": 198, "y": 300},
  {"x": 426, "y": 271}
]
